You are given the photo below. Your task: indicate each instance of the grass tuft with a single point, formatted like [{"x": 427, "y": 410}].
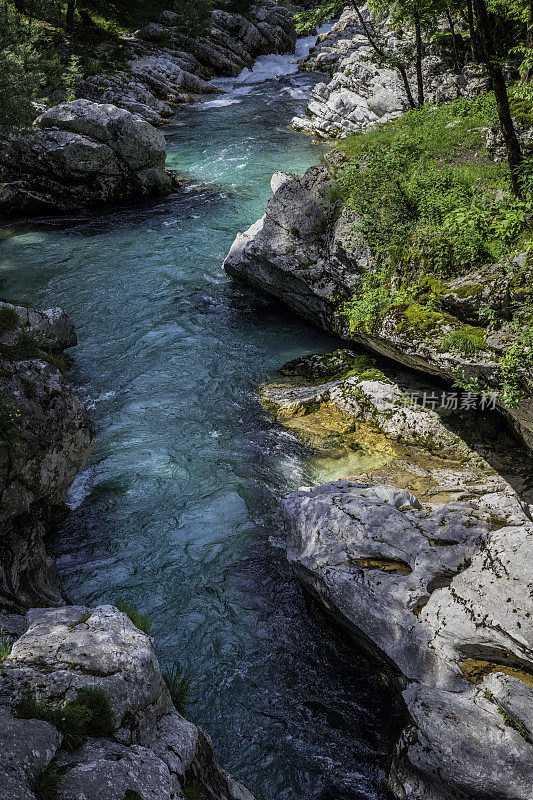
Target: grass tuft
[
  {"x": 179, "y": 684},
  {"x": 140, "y": 620},
  {"x": 46, "y": 784},
  {"x": 89, "y": 714}
]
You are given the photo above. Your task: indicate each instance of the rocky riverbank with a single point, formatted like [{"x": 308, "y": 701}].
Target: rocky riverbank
[
  {"x": 422, "y": 545},
  {"x": 424, "y": 555},
  {"x": 362, "y": 91},
  {"x": 86, "y": 713},
  {"x": 103, "y": 147}
]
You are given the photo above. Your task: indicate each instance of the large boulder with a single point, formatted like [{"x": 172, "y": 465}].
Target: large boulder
[
  {"x": 290, "y": 254},
  {"x": 80, "y": 154},
  {"x": 441, "y": 595}
]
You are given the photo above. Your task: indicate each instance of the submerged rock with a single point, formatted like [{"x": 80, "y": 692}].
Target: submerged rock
[{"x": 145, "y": 748}]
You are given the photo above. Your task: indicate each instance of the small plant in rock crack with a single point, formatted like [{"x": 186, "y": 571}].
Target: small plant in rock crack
[
  {"x": 179, "y": 684},
  {"x": 46, "y": 784},
  {"x": 5, "y": 646},
  {"x": 140, "y": 620},
  {"x": 88, "y": 714}
]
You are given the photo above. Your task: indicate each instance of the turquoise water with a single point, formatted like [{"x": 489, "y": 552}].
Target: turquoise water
[{"x": 178, "y": 506}]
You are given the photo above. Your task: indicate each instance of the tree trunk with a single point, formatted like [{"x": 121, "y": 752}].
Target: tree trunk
[
  {"x": 69, "y": 19},
  {"x": 527, "y": 75},
  {"x": 381, "y": 53},
  {"x": 454, "y": 40},
  {"x": 419, "y": 78},
  {"x": 512, "y": 145},
  {"x": 474, "y": 45}
]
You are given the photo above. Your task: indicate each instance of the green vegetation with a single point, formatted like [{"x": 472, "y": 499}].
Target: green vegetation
[
  {"x": 5, "y": 645},
  {"x": 89, "y": 714},
  {"x": 507, "y": 718},
  {"x": 140, "y": 620},
  {"x": 51, "y": 45},
  {"x": 433, "y": 207},
  {"x": 466, "y": 340},
  {"x": 46, "y": 784},
  {"x": 8, "y": 319},
  {"x": 179, "y": 685}
]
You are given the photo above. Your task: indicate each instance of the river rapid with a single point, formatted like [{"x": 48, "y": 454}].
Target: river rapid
[{"x": 178, "y": 506}]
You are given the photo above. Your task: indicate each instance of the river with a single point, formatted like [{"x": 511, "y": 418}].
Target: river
[{"x": 178, "y": 506}]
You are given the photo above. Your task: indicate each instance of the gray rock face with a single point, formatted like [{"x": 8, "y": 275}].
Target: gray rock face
[
  {"x": 82, "y": 153},
  {"x": 440, "y": 596},
  {"x": 153, "y": 751},
  {"x": 288, "y": 253},
  {"x": 170, "y": 67},
  {"x": 426, "y": 561},
  {"x": 362, "y": 92},
  {"x": 47, "y": 436}
]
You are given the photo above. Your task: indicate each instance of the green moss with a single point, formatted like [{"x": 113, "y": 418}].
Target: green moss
[
  {"x": 522, "y": 111},
  {"x": 507, "y": 718},
  {"x": 421, "y": 320},
  {"x": 469, "y": 290}
]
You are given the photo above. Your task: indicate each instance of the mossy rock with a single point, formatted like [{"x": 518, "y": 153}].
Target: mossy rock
[{"x": 419, "y": 319}]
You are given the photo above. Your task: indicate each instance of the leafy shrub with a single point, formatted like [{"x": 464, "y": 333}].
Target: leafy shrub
[
  {"x": 140, "y": 620},
  {"x": 365, "y": 308},
  {"x": 179, "y": 685}
]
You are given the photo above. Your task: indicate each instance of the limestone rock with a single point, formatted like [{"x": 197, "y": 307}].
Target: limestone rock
[
  {"x": 152, "y": 750},
  {"x": 442, "y": 598},
  {"x": 82, "y": 153},
  {"x": 362, "y": 92},
  {"x": 287, "y": 254}
]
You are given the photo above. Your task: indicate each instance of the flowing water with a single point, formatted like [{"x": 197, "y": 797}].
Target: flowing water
[{"x": 178, "y": 506}]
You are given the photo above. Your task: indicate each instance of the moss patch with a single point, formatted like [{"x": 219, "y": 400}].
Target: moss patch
[{"x": 421, "y": 320}]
